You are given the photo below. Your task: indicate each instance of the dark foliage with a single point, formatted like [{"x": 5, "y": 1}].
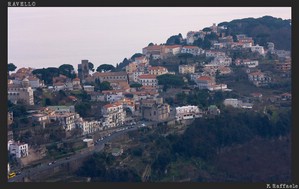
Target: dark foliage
[{"x": 263, "y": 30}]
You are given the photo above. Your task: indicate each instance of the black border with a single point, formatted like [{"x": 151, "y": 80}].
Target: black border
[{"x": 149, "y": 3}]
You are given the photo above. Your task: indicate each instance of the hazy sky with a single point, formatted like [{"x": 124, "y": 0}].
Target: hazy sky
[{"x": 51, "y": 36}]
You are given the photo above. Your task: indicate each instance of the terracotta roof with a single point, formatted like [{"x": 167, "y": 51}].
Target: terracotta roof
[
  {"x": 286, "y": 94},
  {"x": 156, "y": 68},
  {"x": 102, "y": 74},
  {"x": 191, "y": 47},
  {"x": 207, "y": 78},
  {"x": 256, "y": 94},
  {"x": 172, "y": 46},
  {"x": 256, "y": 73},
  {"x": 147, "y": 76},
  {"x": 58, "y": 84},
  {"x": 148, "y": 87},
  {"x": 153, "y": 47},
  {"x": 224, "y": 69},
  {"x": 109, "y": 106},
  {"x": 72, "y": 98}
]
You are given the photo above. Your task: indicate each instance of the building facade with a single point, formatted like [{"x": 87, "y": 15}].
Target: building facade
[
  {"x": 113, "y": 115},
  {"x": 20, "y": 93},
  {"x": 187, "y": 112},
  {"x": 110, "y": 76},
  {"x": 157, "y": 70},
  {"x": 19, "y": 149},
  {"x": 148, "y": 80},
  {"x": 185, "y": 69}
]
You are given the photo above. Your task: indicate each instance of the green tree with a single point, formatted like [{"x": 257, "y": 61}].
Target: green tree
[
  {"x": 175, "y": 40},
  {"x": 11, "y": 67},
  {"x": 198, "y": 42},
  {"x": 105, "y": 85},
  {"x": 135, "y": 85},
  {"x": 136, "y": 55},
  {"x": 185, "y": 57},
  {"x": 19, "y": 110},
  {"x": 67, "y": 70},
  {"x": 91, "y": 66},
  {"x": 212, "y": 36},
  {"x": 47, "y": 74},
  {"x": 105, "y": 68},
  {"x": 206, "y": 44},
  {"x": 83, "y": 109},
  {"x": 48, "y": 102},
  {"x": 170, "y": 80},
  {"x": 207, "y": 29}
]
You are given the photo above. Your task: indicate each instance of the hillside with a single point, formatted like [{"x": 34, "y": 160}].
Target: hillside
[{"x": 263, "y": 30}]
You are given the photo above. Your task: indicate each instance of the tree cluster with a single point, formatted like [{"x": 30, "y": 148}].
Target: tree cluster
[{"x": 263, "y": 30}]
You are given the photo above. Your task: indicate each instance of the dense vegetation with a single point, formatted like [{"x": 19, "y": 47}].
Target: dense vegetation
[
  {"x": 170, "y": 80},
  {"x": 263, "y": 30},
  {"x": 100, "y": 168},
  {"x": 199, "y": 148}
]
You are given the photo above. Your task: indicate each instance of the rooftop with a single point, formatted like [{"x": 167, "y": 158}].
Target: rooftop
[
  {"x": 147, "y": 76},
  {"x": 102, "y": 74}
]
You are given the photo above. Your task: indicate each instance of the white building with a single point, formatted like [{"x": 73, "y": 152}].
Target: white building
[
  {"x": 18, "y": 149},
  {"x": 141, "y": 59},
  {"x": 112, "y": 96},
  {"x": 218, "y": 87},
  {"x": 187, "y": 112},
  {"x": 222, "y": 61},
  {"x": 59, "y": 86},
  {"x": 270, "y": 46},
  {"x": 148, "y": 80},
  {"x": 157, "y": 70},
  {"x": 251, "y": 63},
  {"x": 218, "y": 45},
  {"x": 88, "y": 88},
  {"x": 62, "y": 109},
  {"x": 172, "y": 49},
  {"x": 214, "y": 53},
  {"x": 184, "y": 69},
  {"x": 20, "y": 93},
  {"x": 89, "y": 127},
  {"x": 259, "y": 78},
  {"x": 66, "y": 120},
  {"x": 34, "y": 82},
  {"x": 113, "y": 114},
  {"x": 41, "y": 118},
  {"x": 193, "y": 36},
  {"x": 205, "y": 82},
  {"x": 194, "y": 50},
  {"x": 232, "y": 102},
  {"x": 134, "y": 75},
  {"x": 259, "y": 49}
]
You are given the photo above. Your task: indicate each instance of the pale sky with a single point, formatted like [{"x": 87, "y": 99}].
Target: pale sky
[{"x": 51, "y": 36}]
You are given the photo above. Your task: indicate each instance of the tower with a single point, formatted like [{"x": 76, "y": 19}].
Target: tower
[{"x": 83, "y": 70}]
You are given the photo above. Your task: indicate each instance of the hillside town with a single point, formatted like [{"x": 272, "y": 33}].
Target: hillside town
[{"x": 234, "y": 72}]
